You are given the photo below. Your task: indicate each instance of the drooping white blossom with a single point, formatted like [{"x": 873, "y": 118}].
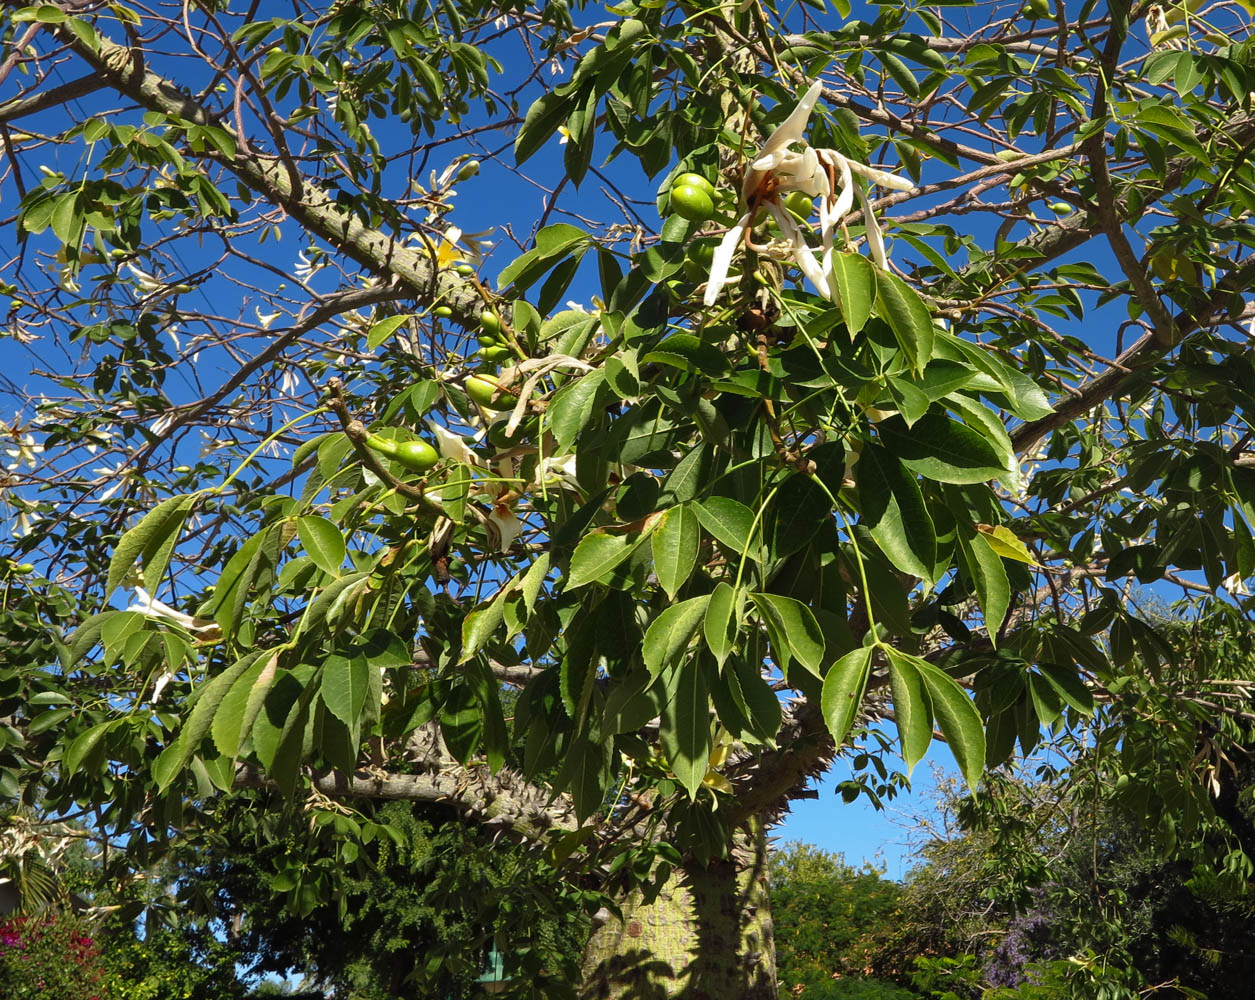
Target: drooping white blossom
[{"x": 787, "y": 163}]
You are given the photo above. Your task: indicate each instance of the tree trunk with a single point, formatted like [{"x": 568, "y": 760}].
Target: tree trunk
[{"x": 707, "y": 936}]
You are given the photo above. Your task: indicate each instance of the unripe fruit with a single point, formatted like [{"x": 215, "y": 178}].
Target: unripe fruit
[
  {"x": 490, "y": 322},
  {"x": 799, "y": 203},
  {"x": 692, "y": 203},
  {"x": 469, "y": 169},
  {"x": 1060, "y": 208},
  {"x": 488, "y": 340},
  {"x": 497, "y": 435},
  {"x": 22, "y": 569},
  {"x": 417, "y": 456},
  {"x": 444, "y": 312},
  {"x": 495, "y": 353},
  {"x": 465, "y": 270},
  {"x": 694, "y": 180},
  {"x": 484, "y": 390},
  {"x": 1037, "y": 8}
]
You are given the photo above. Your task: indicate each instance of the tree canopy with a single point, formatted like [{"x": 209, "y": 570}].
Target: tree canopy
[{"x": 716, "y": 378}]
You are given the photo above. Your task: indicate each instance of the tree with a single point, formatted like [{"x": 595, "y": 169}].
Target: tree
[
  {"x": 765, "y": 488},
  {"x": 821, "y": 907},
  {"x": 1053, "y": 883}
]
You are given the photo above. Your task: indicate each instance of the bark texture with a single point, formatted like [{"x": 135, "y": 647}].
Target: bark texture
[{"x": 707, "y": 936}]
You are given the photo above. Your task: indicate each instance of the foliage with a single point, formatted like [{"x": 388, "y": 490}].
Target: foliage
[
  {"x": 50, "y": 957},
  {"x": 821, "y": 907},
  {"x": 415, "y": 911},
  {"x": 1058, "y": 886},
  {"x": 752, "y": 488}
]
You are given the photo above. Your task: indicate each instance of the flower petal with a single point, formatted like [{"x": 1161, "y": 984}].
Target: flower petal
[{"x": 723, "y": 259}]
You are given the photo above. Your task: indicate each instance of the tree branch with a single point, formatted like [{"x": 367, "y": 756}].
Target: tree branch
[
  {"x": 505, "y": 800},
  {"x": 123, "y": 68}
]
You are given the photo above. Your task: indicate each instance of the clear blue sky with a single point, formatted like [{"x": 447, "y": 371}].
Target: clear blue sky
[{"x": 858, "y": 830}]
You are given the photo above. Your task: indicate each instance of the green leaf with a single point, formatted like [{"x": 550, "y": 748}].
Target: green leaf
[
  {"x": 912, "y": 324},
  {"x": 683, "y": 350},
  {"x": 730, "y": 522},
  {"x": 228, "y": 726},
  {"x": 668, "y": 636},
  {"x": 894, "y": 511},
  {"x": 675, "y": 541},
  {"x": 384, "y": 329},
  {"x": 323, "y": 542},
  {"x": 478, "y": 627},
  {"x": 597, "y": 554},
  {"x": 151, "y": 541},
  {"x": 844, "y": 685},
  {"x": 542, "y": 121},
  {"x": 572, "y": 408},
  {"x": 989, "y": 577},
  {"x": 719, "y": 624},
  {"x": 83, "y": 744},
  {"x": 942, "y": 449},
  {"x": 1004, "y": 543},
  {"x": 911, "y": 707},
  {"x": 855, "y": 278},
  {"x": 790, "y": 622},
  {"x": 344, "y": 684},
  {"x": 685, "y": 729},
  {"x": 958, "y": 719},
  {"x": 208, "y": 698}
]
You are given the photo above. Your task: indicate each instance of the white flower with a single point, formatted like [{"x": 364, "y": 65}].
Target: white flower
[
  {"x": 506, "y": 525},
  {"x": 451, "y": 445},
  {"x": 825, "y": 174},
  {"x": 306, "y": 268},
  {"x": 564, "y": 135},
  {"x": 25, "y": 450},
  {"x": 266, "y": 320},
  {"x": 555, "y": 68},
  {"x": 150, "y": 607},
  {"x": 145, "y": 281}
]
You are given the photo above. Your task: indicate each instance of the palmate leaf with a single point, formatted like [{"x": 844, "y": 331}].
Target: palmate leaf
[
  {"x": 151, "y": 542},
  {"x": 894, "y": 511},
  {"x": 844, "y": 685},
  {"x": 205, "y": 706}
]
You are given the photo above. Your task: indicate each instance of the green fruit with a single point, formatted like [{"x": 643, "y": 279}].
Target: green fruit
[
  {"x": 22, "y": 569},
  {"x": 444, "y": 312},
  {"x": 484, "y": 390},
  {"x": 469, "y": 169},
  {"x": 490, "y": 322},
  {"x": 694, "y": 180},
  {"x": 1060, "y": 208},
  {"x": 488, "y": 340},
  {"x": 497, "y": 435},
  {"x": 465, "y": 270},
  {"x": 417, "y": 456},
  {"x": 691, "y": 203},
  {"x": 495, "y": 353},
  {"x": 694, "y": 271},
  {"x": 1037, "y": 8},
  {"x": 702, "y": 253},
  {"x": 800, "y": 204}
]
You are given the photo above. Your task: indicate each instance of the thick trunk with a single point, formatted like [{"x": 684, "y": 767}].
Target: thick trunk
[{"x": 707, "y": 936}]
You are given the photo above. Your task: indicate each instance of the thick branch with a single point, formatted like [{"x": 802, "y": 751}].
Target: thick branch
[
  {"x": 123, "y": 69},
  {"x": 504, "y": 800}
]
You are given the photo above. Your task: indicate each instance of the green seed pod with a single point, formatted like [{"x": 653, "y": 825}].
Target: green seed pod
[
  {"x": 444, "y": 312},
  {"x": 484, "y": 390},
  {"x": 417, "y": 456},
  {"x": 692, "y": 203}
]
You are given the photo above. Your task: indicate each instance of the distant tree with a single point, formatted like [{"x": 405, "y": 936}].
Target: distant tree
[
  {"x": 1103, "y": 867},
  {"x": 821, "y": 907}
]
